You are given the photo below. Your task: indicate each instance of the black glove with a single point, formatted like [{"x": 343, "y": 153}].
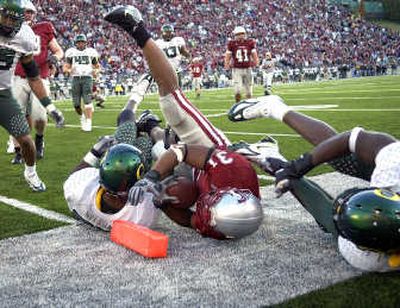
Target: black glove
[
  {"x": 294, "y": 169},
  {"x": 272, "y": 165},
  {"x": 53, "y": 60}
]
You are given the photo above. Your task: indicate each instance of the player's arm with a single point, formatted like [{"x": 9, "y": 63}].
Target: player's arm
[
  {"x": 366, "y": 146},
  {"x": 96, "y": 67},
  {"x": 193, "y": 155},
  {"x": 185, "y": 53},
  {"x": 56, "y": 49},
  {"x": 67, "y": 67},
  {"x": 254, "y": 56}
]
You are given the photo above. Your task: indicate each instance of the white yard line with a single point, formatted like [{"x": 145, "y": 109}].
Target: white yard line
[{"x": 36, "y": 210}]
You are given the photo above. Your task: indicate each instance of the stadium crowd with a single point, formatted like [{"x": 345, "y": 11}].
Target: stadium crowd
[{"x": 300, "y": 33}]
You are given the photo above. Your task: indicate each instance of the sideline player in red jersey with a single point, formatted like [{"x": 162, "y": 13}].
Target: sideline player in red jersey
[
  {"x": 196, "y": 69},
  {"x": 47, "y": 61},
  {"x": 228, "y": 205},
  {"x": 241, "y": 55}
]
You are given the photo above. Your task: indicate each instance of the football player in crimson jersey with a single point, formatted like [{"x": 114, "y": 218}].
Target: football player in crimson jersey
[
  {"x": 225, "y": 180},
  {"x": 196, "y": 68},
  {"x": 241, "y": 55},
  {"x": 47, "y": 59}
]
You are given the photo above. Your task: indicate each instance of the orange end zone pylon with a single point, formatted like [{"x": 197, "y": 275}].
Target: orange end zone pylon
[{"x": 149, "y": 243}]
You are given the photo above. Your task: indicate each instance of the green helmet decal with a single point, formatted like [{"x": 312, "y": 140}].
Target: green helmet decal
[
  {"x": 369, "y": 218},
  {"x": 121, "y": 167},
  {"x": 11, "y": 17}
]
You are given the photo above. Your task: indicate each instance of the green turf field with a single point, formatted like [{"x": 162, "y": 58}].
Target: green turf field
[{"x": 373, "y": 103}]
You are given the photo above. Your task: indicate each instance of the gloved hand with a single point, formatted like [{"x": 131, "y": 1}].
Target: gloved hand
[
  {"x": 53, "y": 60},
  {"x": 151, "y": 184},
  {"x": 288, "y": 171}
]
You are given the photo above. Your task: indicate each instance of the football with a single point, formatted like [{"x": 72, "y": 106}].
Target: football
[{"x": 184, "y": 190}]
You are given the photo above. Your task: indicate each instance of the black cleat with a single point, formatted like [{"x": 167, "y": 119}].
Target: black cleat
[
  {"x": 127, "y": 17},
  {"x": 17, "y": 160},
  {"x": 147, "y": 121},
  {"x": 39, "y": 143},
  {"x": 57, "y": 117}
]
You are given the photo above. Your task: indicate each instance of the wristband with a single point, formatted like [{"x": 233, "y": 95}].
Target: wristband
[
  {"x": 91, "y": 159},
  {"x": 153, "y": 175},
  {"x": 353, "y": 138}
]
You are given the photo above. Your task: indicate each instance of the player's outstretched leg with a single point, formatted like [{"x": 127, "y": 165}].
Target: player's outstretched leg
[{"x": 184, "y": 118}]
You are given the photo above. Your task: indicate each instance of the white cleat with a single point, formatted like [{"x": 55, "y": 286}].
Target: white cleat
[
  {"x": 265, "y": 148},
  {"x": 10, "y": 146},
  {"x": 87, "y": 125},
  {"x": 34, "y": 182},
  {"x": 271, "y": 106}
]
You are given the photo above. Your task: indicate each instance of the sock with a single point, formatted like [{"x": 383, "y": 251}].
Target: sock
[
  {"x": 38, "y": 137},
  {"x": 30, "y": 169},
  {"x": 141, "y": 35}
]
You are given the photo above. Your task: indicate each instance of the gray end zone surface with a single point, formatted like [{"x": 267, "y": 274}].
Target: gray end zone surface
[{"x": 78, "y": 265}]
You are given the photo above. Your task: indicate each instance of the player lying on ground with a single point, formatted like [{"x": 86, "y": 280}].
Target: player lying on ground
[
  {"x": 216, "y": 169},
  {"x": 366, "y": 221},
  {"x": 97, "y": 189}
]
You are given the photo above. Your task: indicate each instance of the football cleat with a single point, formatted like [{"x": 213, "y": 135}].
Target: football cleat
[
  {"x": 263, "y": 149},
  {"x": 39, "y": 143},
  {"x": 254, "y": 108},
  {"x": 10, "y": 146},
  {"x": 34, "y": 182},
  {"x": 17, "y": 160},
  {"x": 147, "y": 121},
  {"x": 57, "y": 117},
  {"x": 86, "y": 125},
  {"x": 127, "y": 17}
]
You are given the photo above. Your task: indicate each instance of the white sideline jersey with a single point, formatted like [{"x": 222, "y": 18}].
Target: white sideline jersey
[
  {"x": 172, "y": 50},
  {"x": 24, "y": 43},
  {"x": 80, "y": 192},
  {"x": 385, "y": 175},
  {"x": 81, "y": 61}
]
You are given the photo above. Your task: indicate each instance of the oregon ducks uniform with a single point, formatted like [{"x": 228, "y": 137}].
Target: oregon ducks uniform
[
  {"x": 24, "y": 43},
  {"x": 82, "y": 62}
]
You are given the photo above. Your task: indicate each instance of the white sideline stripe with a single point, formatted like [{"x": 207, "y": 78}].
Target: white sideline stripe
[{"x": 36, "y": 210}]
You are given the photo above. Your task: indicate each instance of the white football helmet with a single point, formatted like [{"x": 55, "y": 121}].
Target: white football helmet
[
  {"x": 229, "y": 213},
  {"x": 239, "y": 30}
]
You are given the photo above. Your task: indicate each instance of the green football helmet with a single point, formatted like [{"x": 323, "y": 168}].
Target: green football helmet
[
  {"x": 120, "y": 168},
  {"x": 11, "y": 17},
  {"x": 369, "y": 218},
  {"x": 80, "y": 38},
  {"x": 167, "y": 32}
]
